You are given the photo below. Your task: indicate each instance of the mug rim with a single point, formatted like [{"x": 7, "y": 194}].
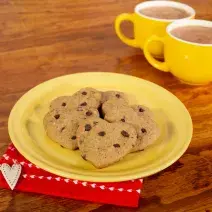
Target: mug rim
[
  {"x": 192, "y": 22},
  {"x": 146, "y": 4}
]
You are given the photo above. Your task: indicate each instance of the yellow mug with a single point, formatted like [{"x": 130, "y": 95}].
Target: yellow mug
[
  {"x": 190, "y": 62},
  {"x": 145, "y": 26}
]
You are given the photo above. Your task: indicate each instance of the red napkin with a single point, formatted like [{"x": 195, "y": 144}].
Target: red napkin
[{"x": 34, "y": 179}]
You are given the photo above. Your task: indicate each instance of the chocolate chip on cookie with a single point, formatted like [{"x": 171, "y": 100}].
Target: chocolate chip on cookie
[
  {"x": 143, "y": 130},
  {"x": 88, "y": 127},
  {"x": 57, "y": 116},
  {"x": 141, "y": 110},
  {"x": 125, "y": 133},
  {"x": 116, "y": 145},
  {"x": 123, "y": 120},
  {"x": 102, "y": 133},
  {"x": 88, "y": 113},
  {"x": 84, "y": 93},
  {"x": 74, "y": 137},
  {"x": 83, "y": 104}
]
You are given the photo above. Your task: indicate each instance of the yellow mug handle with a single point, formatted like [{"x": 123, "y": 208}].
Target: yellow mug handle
[
  {"x": 155, "y": 63},
  {"x": 119, "y": 19}
]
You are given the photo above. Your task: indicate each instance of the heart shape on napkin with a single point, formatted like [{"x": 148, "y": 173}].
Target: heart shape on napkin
[
  {"x": 11, "y": 174},
  {"x": 34, "y": 179}
]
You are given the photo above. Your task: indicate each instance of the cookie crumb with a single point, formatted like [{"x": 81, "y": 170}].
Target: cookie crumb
[
  {"x": 125, "y": 133},
  {"x": 116, "y": 145}
]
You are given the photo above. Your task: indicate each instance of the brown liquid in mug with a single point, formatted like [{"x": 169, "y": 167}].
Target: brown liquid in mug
[
  {"x": 164, "y": 12},
  {"x": 196, "y": 34}
]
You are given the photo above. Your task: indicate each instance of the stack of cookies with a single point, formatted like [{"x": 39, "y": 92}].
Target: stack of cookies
[{"x": 102, "y": 125}]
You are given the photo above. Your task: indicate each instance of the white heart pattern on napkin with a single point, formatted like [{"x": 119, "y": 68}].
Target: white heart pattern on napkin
[{"x": 11, "y": 174}]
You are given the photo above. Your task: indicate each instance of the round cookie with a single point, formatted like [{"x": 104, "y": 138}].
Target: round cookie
[
  {"x": 105, "y": 143},
  {"x": 61, "y": 124},
  {"x": 139, "y": 116},
  {"x": 114, "y": 95},
  {"x": 86, "y": 97}
]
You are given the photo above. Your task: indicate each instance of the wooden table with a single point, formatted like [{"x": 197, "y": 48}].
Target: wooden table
[{"x": 42, "y": 39}]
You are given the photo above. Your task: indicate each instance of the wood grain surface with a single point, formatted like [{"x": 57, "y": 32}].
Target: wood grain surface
[{"x": 43, "y": 39}]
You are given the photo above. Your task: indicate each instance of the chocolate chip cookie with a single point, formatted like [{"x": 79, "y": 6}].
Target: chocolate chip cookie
[
  {"x": 73, "y": 121},
  {"x": 61, "y": 124},
  {"x": 139, "y": 116},
  {"x": 86, "y": 97},
  {"x": 104, "y": 143}
]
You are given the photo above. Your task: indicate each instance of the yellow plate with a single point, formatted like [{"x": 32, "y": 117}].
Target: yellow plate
[{"x": 27, "y": 132}]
